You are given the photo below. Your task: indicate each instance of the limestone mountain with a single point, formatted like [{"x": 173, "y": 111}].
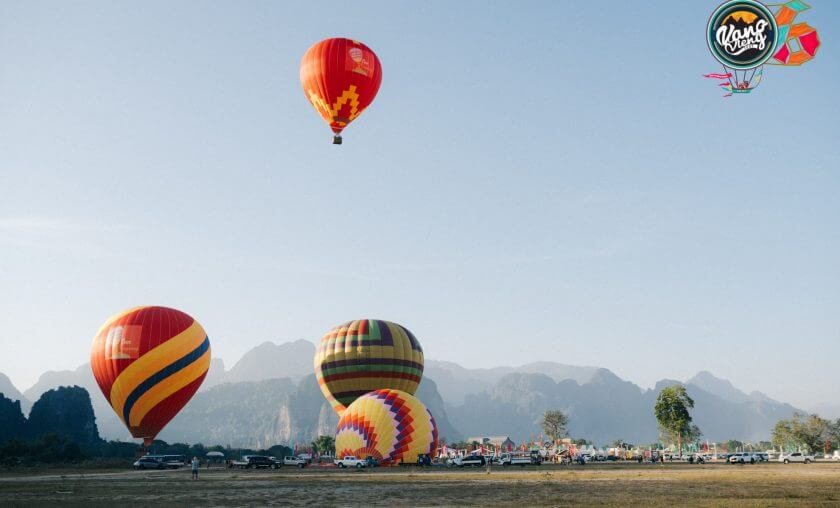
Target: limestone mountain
[
  {"x": 9, "y": 390},
  {"x": 259, "y": 414},
  {"x": 456, "y": 382},
  {"x": 607, "y": 408}
]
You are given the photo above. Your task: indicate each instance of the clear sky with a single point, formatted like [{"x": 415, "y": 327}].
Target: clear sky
[{"x": 534, "y": 181}]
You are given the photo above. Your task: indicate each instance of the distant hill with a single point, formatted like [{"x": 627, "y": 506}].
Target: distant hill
[
  {"x": 608, "y": 408},
  {"x": 827, "y": 410},
  {"x": 10, "y": 392},
  {"x": 270, "y": 397},
  {"x": 291, "y": 360},
  {"x": 457, "y": 382},
  {"x": 260, "y": 414},
  {"x": 109, "y": 425}
]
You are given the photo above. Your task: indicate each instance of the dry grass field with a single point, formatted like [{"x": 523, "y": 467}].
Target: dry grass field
[{"x": 608, "y": 484}]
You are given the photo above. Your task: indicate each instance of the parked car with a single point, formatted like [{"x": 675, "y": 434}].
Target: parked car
[
  {"x": 787, "y": 458},
  {"x": 742, "y": 458},
  {"x": 762, "y": 457},
  {"x": 350, "y": 461},
  {"x": 149, "y": 463},
  {"x": 174, "y": 461},
  {"x": 290, "y": 460},
  {"x": 255, "y": 462},
  {"x": 509, "y": 459},
  {"x": 469, "y": 460}
]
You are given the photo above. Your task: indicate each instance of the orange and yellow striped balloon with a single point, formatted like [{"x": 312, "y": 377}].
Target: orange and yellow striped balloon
[
  {"x": 149, "y": 362},
  {"x": 364, "y": 355},
  {"x": 389, "y": 425}
]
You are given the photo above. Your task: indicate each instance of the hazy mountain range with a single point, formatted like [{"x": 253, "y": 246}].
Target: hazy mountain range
[{"x": 270, "y": 397}]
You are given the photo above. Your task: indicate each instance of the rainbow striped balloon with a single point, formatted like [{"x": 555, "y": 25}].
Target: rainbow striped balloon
[
  {"x": 149, "y": 362},
  {"x": 389, "y": 425},
  {"x": 364, "y": 355}
]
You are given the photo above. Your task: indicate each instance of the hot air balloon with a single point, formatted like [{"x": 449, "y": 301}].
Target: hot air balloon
[
  {"x": 360, "y": 356},
  {"x": 390, "y": 425},
  {"x": 149, "y": 362},
  {"x": 340, "y": 77}
]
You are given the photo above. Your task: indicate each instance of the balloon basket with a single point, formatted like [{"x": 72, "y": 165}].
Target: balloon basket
[{"x": 336, "y": 140}]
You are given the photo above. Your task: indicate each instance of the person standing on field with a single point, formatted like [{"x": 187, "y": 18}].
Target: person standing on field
[{"x": 195, "y": 464}]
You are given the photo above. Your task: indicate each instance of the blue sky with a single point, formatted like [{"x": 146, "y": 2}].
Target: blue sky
[{"x": 533, "y": 182}]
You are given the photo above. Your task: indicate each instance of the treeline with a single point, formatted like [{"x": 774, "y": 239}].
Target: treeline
[
  {"x": 61, "y": 428},
  {"x": 807, "y": 432}
]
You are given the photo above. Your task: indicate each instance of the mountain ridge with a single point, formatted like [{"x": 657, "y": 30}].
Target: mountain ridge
[{"x": 497, "y": 400}]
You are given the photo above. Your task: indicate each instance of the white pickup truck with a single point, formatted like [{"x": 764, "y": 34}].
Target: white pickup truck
[
  {"x": 787, "y": 458},
  {"x": 508, "y": 459},
  {"x": 294, "y": 461},
  {"x": 350, "y": 461}
]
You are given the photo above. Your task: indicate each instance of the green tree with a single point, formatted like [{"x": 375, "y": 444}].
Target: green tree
[
  {"x": 620, "y": 443},
  {"x": 782, "y": 436},
  {"x": 834, "y": 434},
  {"x": 554, "y": 423},
  {"x": 805, "y": 431},
  {"x": 734, "y": 445},
  {"x": 693, "y": 434},
  {"x": 671, "y": 411},
  {"x": 324, "y": 445}
]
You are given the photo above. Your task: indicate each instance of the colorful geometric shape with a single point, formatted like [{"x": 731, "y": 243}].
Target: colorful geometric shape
[
  {"x": 390, "y": 425},
  {"x": 359, "y": 356}
]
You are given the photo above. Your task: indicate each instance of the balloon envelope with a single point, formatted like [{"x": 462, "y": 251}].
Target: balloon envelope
[
  {"x": 340, "y": 78},
  {"x": 389, "y": 425},
  {"x": 149, "y": 362},
  {"x": 364, "y": 355}
]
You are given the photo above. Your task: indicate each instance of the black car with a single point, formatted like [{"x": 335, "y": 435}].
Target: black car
[
  {"x": 149, "y": 463},
  {"x": 258, "y": 461}
]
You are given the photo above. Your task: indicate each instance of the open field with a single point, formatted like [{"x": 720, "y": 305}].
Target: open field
[{"x": 610, "y": 484}]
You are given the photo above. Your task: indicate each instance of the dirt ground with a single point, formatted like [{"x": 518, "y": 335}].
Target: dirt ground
[{"x": 608, "y": 484}]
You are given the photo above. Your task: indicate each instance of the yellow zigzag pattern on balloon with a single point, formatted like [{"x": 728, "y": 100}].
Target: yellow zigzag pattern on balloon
[
  {"x": 331, "y": 113},
  {"x": 319, "y": 103}
]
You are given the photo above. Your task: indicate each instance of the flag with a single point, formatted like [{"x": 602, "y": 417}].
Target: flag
[{"x": 715, "y": 75}]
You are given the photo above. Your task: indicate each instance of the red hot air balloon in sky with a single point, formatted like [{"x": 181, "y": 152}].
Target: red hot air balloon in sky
[
  {"x": 340, "y": 77},
  {"x": 149, "y": 362}
]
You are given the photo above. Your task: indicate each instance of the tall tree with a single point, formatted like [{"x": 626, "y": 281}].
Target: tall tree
[
  {"x": 554, "y": 424},
  {"x": 783, "y": 436},
  {"x": 324, "y": 445},
  {"x": 802, "y": 431},
  {"x": 834, "y": 434},
  {"x": 672, "y": 412}
]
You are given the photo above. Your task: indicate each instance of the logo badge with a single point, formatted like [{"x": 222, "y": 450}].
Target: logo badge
[{"x": 742, "y": 34}]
